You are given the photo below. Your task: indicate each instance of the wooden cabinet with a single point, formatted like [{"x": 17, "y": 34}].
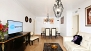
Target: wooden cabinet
[{"x": 17, "y": 43}]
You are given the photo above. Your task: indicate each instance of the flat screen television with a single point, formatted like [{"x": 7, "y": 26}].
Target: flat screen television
[{"x": 14, "y": 26}]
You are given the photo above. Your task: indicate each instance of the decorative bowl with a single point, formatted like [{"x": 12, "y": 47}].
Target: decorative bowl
[{"x": 54, "y": 46}]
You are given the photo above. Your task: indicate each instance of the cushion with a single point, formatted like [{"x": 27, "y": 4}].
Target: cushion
[
  {"x": 70, "y": 46},
  {"x": 85, "y": 43},
  {"x": 33, "y": 38},
  {"x": 74, "y": 38},
  {"x": 77, "y": 39}
]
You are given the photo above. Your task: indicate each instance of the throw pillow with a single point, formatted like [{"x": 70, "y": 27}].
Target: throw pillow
[
  {"x": 74, "y": 38},
  {"x": 77, "y": 39}
]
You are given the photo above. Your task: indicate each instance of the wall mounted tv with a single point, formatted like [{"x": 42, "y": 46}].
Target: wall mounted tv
[{"x": 14, "y": 26}]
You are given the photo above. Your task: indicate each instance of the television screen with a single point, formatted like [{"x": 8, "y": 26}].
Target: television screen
[{"x": 14, "y": 26}]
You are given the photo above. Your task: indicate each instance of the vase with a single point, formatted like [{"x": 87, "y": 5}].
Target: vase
[{"x": 2, "y": 37}]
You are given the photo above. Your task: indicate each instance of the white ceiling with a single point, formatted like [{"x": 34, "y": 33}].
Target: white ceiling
[{"x": 40, "y": 8}]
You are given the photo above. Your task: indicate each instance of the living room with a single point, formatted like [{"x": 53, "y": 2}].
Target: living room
[{"x": 15, "y": 10}]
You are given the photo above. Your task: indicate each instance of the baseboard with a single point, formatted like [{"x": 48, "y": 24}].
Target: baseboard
[{"x": 37, "y": 34}]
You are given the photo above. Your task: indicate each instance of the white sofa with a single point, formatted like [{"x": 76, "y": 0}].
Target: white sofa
[{"x": 84, "y": 46}]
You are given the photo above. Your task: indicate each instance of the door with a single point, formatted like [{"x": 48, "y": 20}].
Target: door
[{"x": 75, "y": 28}]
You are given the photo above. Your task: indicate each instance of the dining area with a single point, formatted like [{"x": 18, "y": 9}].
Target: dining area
[{"x": 49, "y": 32}]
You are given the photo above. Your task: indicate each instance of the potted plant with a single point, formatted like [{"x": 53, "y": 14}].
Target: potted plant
[{"x": 3, "y": 30}]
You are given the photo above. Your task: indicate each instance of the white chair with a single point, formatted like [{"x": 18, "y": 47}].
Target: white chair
[
  {"x": 58, "y": 34},
  {"x": 53, "y": 32},
  {"x": 56, "y": 29},
  {"x": 42, "y": 31},
  {"x": 47, "y": 32},
  {"x": 33, "y": 38},
  {"x": 32, "y": 33}
]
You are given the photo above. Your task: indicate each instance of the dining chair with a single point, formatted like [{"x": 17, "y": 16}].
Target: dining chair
[
  {"x": 53, "y": 32},
  {"x": 56, "y": 29},
  {"x": 47, "y": 32},
  {"x": 42, "y": 32},
  {"x": 57, "y": 33}
]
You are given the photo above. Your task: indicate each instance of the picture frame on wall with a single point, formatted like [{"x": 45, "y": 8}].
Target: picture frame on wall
[
  {"x": 26, "y": 18},
  {"x": 62, "y": 20},
  {"x": 51, "y": 20},
  {"x": 88, "y": 16},
  {"x": 30, "y": 20}
]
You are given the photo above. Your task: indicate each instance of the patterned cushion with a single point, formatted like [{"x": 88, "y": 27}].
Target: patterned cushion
[{"x": 74, "y": 38}]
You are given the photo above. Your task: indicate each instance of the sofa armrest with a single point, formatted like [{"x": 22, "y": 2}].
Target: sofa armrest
[{"x": 69, "y": 38}]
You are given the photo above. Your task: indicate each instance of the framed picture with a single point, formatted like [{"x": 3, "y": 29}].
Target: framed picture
[
  {"x": 26, "y": 18},
  {"x": 62, "y": 20},
  {"x": 88, "y": 16},
  {"x": 30, "y": 20},
  {"x": 51, "y": 20}
]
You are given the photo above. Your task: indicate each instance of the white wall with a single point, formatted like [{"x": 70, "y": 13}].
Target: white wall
[
  {"x": 39, "y": 24},
  {"x": 67, "y": 31},
  {"x": 12, "y": 10},
  {"x": 63, "y": 26},
  {"x": 81, "y": 12},
  {"x": 66, "y": 28},
  {"x": 69, "y": 23}
]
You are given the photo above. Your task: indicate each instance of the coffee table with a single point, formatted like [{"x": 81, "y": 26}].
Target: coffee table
[{"x": 47, "y": 47}]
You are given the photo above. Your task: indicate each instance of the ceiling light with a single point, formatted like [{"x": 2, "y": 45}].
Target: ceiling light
[
  {"x": 58, "y": 8},
  {"x": 47, "y": 19}
]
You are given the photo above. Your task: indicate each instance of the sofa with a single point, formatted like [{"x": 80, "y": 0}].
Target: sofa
[{"x": 84, "y": 46}]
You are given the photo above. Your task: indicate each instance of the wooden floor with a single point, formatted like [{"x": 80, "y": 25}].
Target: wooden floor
[{"x": 38, "y": 46}]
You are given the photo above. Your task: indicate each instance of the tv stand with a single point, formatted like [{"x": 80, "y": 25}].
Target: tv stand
[{"x": 15, "y": 43}]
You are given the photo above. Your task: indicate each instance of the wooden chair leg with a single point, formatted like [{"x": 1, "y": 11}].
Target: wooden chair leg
[
  {"x": 32, "y": 42},
  {"x": 41, "y": 34},
  {"x": 55, "y": 36},
  {"x": 29, "y": 43},
  {"x": 38, "y": 39}
]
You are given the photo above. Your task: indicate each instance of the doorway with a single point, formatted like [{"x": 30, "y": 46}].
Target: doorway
[{"x": 75, "y": 28}]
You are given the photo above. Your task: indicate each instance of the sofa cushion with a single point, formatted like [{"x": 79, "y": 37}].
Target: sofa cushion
[
  {"x": 86, "y": 36},
  {"x": 85, "y": 43},
  {"x": 77, "y": 48},
  {"x": 74, "y": 38},
  {"x": 70, "y": 46},
  {"x": 67, "y": 44},
  {"x": 77, "y": 39}
]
